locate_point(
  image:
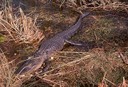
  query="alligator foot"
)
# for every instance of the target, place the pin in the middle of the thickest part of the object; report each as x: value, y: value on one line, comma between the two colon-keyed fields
x: 74, y: 43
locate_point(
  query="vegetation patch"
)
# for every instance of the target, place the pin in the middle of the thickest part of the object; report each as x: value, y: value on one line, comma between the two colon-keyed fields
x: 104, y: 64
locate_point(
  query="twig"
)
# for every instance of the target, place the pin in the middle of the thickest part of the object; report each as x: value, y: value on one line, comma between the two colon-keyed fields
x: 71, y: 52
x: 124, y: 59
x: 110, y: 82
x: 48, y: 81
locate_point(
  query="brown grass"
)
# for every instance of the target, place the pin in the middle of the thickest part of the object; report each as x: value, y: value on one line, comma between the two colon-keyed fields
x: 7, y: 77
x: 98, y: 67
x: 21, y: 28
x: 79, y: 5
x: 91, y: 68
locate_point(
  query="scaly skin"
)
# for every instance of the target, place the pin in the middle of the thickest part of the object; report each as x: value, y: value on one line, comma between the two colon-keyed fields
x: 48, y: 47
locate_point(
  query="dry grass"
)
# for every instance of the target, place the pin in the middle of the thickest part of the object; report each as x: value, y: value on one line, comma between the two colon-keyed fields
x: 5, y: 71
x: 97, y: 67
x: 79, y: 71
x: 20, y: 27
x: 79, y: 5
x: 7, y: 77
x: 84, y: 69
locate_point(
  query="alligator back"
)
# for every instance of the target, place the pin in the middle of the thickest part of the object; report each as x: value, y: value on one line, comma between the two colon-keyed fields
x: 50, y: 46
x: 57, y: 42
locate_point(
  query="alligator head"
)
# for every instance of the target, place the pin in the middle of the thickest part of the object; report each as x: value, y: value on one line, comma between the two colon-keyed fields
x: 30, y: 65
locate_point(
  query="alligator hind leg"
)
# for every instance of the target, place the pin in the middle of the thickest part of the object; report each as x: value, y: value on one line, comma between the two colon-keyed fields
x: 74, y: 43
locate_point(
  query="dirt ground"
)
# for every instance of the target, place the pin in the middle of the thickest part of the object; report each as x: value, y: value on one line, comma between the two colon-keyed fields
x: 102, y: 61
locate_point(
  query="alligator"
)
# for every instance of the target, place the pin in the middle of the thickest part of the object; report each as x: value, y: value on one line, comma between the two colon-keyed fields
x: 48, y: 47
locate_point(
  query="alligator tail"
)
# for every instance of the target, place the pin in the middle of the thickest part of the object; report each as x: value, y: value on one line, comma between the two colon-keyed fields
x: 73, y: 29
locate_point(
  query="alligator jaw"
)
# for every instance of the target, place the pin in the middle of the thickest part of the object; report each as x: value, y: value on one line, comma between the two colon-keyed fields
x: 30, y: 65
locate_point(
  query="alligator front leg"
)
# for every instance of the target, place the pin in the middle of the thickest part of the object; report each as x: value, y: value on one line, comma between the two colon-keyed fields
x: 73, y: 43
